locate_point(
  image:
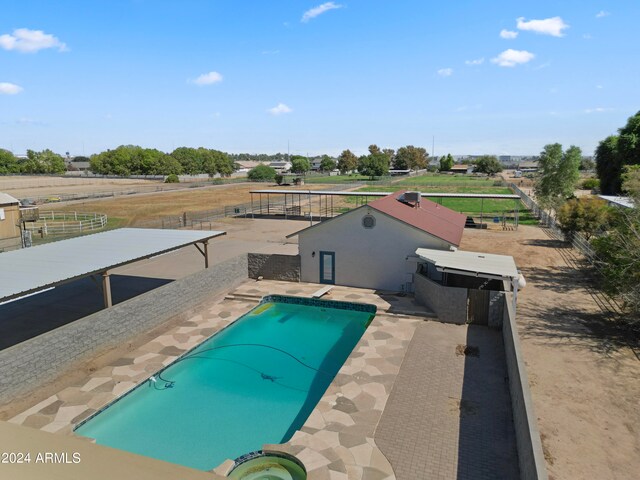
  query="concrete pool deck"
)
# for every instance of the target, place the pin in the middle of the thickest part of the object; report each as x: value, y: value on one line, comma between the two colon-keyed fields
x: 343, y: 437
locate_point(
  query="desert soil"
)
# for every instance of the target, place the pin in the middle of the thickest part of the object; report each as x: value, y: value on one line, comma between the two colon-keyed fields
x: 43, y: 186
x: 584, y: 377
x: 136, y: 209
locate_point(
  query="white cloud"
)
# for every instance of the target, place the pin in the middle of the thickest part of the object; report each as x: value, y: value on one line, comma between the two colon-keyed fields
x: 508, y: 34
x: 597, y: 110
x: 445, y: 72
x: 9, y: 88
x: 280, y: 109
x: 553, y: 26
x: 30, y: 121
x: 602, y: 13
x: 208, y: 79
x: 30, y: 41
x: 511, y: 58
x: 319, y: 10
x: 587, y: 36
x: 599, y: 87
x: 477, y: 61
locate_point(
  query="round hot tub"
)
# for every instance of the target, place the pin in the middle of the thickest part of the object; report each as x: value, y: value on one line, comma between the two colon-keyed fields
x: 268, y: 466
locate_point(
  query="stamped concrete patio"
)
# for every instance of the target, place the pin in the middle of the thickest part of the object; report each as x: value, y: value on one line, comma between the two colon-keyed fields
x: 404, y: 405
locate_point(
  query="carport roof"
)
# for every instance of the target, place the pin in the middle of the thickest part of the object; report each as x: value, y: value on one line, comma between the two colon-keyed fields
x: 31, y: 269
x: 476, y: 264
x: 6, y: 199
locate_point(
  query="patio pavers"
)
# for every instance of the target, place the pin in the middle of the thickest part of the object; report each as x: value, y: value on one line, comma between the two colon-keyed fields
x: 339, y: 439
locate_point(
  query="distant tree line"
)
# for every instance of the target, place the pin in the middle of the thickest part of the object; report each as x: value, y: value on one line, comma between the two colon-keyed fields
x: 45, y: 161
x: 134, y: 160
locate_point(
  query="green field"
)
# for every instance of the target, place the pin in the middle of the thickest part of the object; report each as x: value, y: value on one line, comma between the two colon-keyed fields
x: 343, y: 179
x: 432, y: 179
x: 475, y: 207
x: 448, y: 180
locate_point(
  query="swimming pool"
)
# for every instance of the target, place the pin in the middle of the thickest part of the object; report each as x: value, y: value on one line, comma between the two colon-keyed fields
x: 252, y: 383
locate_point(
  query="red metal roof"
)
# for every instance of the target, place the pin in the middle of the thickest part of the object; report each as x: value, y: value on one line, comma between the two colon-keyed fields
x: 439, y: 221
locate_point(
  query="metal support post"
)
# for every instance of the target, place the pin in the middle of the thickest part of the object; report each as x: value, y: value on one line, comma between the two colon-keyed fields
x: 106, y: 290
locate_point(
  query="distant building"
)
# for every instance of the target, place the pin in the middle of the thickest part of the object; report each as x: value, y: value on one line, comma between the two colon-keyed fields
x: 78, y: 166
x: 281, y: 166
x: 246, y: 165
x: 528, y: 166
x: 462, y: 169
x: 10, y: 233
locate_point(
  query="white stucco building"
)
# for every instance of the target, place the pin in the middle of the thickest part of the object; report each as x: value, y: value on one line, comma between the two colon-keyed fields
x: 374, y: 245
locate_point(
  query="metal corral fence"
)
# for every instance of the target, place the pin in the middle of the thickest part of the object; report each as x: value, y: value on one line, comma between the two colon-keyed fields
x: 66, y: 223
x: 202, y: 219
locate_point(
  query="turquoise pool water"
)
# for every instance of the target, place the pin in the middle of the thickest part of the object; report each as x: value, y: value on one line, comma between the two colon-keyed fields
x: 254, y: 382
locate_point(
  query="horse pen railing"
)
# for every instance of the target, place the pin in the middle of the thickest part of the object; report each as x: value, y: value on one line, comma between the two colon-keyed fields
x: 66, y: 223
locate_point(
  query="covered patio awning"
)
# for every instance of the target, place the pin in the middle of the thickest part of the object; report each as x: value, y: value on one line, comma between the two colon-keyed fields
x: 486, y: 265
x: 476, y: 264
x: 27, y: 271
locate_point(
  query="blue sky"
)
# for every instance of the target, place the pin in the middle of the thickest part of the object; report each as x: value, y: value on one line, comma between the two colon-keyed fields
x: 498, y: 77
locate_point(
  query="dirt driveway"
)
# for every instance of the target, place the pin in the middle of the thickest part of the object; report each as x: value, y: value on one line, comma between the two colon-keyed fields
x: 585, y: 380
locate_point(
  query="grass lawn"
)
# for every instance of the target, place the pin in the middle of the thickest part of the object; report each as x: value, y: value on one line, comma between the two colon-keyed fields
x: 469, y: 206
x: 444, y: 179
x: 344, y: 179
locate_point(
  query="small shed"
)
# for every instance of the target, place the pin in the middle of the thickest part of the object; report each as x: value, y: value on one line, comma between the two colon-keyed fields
x: 10, y: 234
x: 374, y: 245
x: 461, y: 169
x: 465, y: 286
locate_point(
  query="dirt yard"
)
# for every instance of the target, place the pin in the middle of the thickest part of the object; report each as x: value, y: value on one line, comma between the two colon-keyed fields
x: 584, y: 378
x: 136, y: 209
x: 43, y: 186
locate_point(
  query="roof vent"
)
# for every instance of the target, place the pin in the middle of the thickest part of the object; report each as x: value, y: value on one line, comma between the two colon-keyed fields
x: 412, y: 197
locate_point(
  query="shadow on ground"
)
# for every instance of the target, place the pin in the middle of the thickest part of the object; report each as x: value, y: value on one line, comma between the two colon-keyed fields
x: 556, y: 324
x: 486, y: 437
x: 29, y: 317
x: 561, y: 279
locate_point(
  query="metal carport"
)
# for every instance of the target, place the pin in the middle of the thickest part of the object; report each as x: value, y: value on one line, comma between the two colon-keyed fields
x: 27, y: 271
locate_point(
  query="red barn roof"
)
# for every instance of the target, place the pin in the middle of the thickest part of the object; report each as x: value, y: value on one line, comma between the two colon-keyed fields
x: 439, y: 221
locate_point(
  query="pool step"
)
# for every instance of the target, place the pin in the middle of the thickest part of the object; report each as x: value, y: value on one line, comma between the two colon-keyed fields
x: 401, y: 312
x: 243, y: 297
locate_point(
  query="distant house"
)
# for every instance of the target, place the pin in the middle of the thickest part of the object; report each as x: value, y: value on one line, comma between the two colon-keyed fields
x: 528, y: 167
x: 78, y: 166
x: 462, y: 169
x: 315, y: 163
x: 374, y: 245
x: 281, y: 166
x: 246, y: 165
x: 10, y: 234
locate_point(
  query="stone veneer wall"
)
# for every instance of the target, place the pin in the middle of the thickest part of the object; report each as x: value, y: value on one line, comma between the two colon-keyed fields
x: 496, y: 309
x: 530, y: 454
x: 449, y: 303
x: 35, y: 362
x: 274, y: 266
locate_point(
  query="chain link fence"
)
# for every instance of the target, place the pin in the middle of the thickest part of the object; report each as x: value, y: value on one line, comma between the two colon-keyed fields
x: 579, y: 242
